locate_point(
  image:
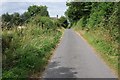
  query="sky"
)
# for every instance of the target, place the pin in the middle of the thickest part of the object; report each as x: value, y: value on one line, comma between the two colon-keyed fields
x: 57, y: 7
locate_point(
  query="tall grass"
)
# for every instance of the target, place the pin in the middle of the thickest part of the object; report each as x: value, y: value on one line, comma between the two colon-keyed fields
x: 107, y: 49
x: 26, y: 52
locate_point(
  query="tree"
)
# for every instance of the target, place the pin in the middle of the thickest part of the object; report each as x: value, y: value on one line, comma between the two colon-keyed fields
x: 15, y: 19
x: 38, y: 10
x: 6, y: 18
x: 9, y: 21
x: 25, y: 16
x: 77, y: 10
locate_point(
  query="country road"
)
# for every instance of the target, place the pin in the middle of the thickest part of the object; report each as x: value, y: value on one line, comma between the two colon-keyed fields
x: 74, y: 58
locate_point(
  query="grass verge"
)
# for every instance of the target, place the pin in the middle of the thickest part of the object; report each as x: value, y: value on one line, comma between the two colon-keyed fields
x: 105, y: 49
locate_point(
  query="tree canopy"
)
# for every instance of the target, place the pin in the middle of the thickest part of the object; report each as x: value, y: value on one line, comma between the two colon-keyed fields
x: 77, y: 10
x: 15, y: 19
x: 38, y: 10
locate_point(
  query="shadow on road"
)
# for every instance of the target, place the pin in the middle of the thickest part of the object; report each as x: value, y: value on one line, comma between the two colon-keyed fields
x: 54, y: 70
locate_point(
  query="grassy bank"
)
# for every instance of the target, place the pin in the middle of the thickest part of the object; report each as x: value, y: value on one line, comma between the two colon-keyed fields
x: 100, y: 27
x: 28, y: 41
x: 26, y: 52
x: 107, y: 49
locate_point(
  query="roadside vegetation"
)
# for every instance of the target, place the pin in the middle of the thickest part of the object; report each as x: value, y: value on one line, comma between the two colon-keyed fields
x: 28, y: 41
x: 98, y: 23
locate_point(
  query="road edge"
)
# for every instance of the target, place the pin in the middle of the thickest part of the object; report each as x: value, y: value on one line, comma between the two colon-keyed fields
x: 52, y: 54
x: 97, y: 54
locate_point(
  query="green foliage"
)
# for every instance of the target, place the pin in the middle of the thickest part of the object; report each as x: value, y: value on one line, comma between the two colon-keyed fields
x: 25, y: 17
x: 63, y: 21
x: 101, y: 28
x: 100, y: 12
x: 109, y: 51
x: 27, y: 48
x: 47, y: 22
x: 77, y: 10
x: 42, y: 21
x: 81, y: 23
x: 9, y: 21
x: 27, y: 53
x: 38, y: 10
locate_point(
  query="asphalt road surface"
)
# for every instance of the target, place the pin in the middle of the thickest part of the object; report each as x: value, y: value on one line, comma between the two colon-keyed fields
x: 74, y: 58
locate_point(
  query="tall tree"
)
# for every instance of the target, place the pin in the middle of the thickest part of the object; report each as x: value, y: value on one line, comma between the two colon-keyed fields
x: 38, y: 10
x: 15, y: 19
x: 77, y: 10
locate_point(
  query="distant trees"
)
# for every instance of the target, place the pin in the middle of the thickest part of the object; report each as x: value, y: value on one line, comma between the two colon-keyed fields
x: 36, y: 15
x: 63, y: 21
x: 11, y: 20
x: 15, y: 19
x: 6, y: 20
x: 25, y: 16
x: 38, y: 10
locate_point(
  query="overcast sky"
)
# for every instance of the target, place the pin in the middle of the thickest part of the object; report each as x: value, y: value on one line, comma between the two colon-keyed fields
x: 57, y: 7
